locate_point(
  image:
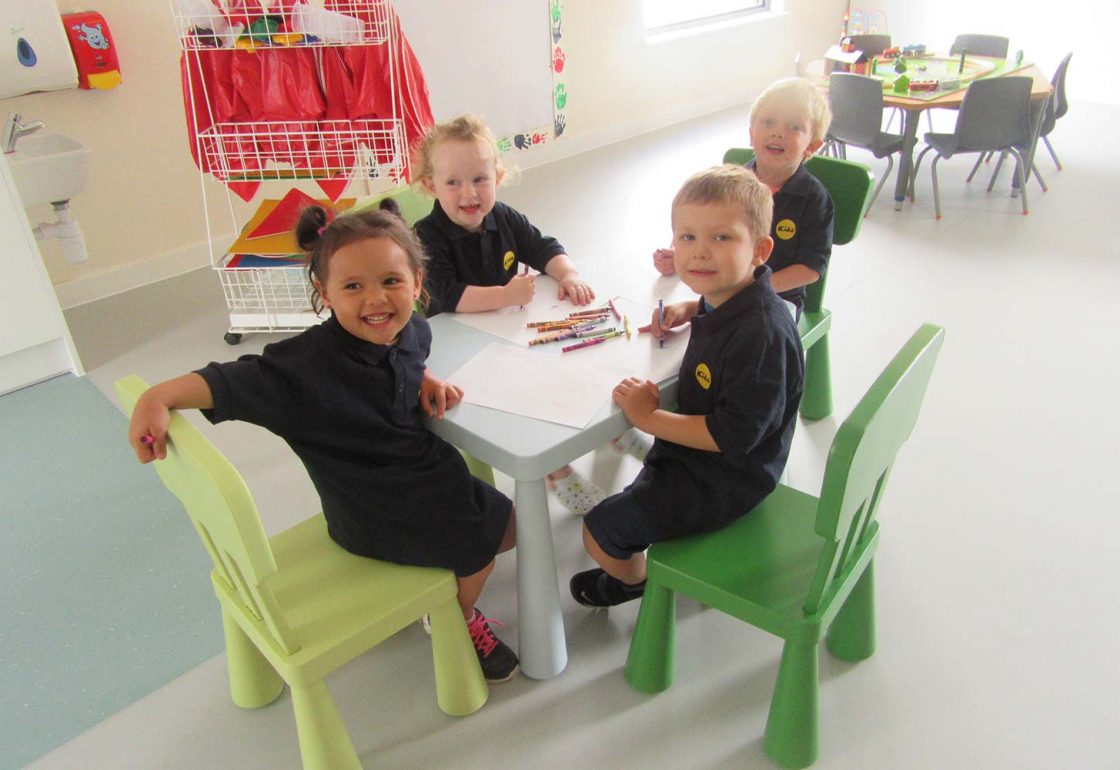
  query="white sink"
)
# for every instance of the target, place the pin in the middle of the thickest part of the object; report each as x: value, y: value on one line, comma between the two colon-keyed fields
x: 49, y: 168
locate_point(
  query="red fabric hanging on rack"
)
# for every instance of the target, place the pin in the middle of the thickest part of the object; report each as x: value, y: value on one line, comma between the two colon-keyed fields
x: 209, y: 97
x: 302, y: 103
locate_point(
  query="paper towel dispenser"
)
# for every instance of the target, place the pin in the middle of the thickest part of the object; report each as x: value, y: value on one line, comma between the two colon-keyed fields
x: 34, y: 53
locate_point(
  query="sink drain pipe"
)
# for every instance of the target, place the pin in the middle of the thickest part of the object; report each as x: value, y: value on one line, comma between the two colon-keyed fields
x: 66, y: 230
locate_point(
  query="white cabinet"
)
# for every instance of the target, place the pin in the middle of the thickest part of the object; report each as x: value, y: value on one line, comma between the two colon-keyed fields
x: 34, y: 340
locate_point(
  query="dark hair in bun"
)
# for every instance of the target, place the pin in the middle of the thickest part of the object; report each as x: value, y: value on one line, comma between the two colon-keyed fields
x: 321, y: 234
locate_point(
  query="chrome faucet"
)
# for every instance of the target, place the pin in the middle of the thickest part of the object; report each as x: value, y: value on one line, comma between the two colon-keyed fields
x: 14, y: 129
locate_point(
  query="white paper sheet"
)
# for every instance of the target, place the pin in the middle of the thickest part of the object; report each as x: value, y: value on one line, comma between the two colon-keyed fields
x: 544, y: 382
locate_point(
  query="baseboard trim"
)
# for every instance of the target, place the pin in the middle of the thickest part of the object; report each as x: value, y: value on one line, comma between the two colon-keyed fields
x: 135, y: 274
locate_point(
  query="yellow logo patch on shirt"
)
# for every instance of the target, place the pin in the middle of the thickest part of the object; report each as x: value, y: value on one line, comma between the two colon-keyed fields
x: 785, y: 229
x: 508, y: 260
x: 704, y: 376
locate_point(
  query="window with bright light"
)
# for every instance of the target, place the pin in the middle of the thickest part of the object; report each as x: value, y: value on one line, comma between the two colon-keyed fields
x: 669, y: 15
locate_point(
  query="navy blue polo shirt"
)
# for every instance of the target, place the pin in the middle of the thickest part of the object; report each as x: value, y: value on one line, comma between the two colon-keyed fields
x: 458, y: 258
x: 350, y: 410
x: 743, y: 369
x: 801, y: 228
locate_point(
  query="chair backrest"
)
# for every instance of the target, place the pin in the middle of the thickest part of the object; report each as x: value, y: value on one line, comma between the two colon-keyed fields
x: 861, y: 457
x: 857, y: 108
x: 222, y: 510
x: 1061, y: 104
x: 995, y: 113
x: 849, y: 184
x: 872, y: 45
x: 414, y: 206
x: 980, y: 45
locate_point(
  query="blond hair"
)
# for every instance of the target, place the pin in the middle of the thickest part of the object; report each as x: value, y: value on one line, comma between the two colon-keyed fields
x: 802, y: 93
x: 465, y: 128
x: 737, y: 186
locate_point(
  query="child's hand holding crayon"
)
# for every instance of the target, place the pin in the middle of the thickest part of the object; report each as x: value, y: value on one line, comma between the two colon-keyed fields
x: 674, y: 315
x: 437, y: 396
x: 520, y: 289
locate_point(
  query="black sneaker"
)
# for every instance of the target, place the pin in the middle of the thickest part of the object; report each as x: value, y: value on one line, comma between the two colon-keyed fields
x: 595, y: 588
x: 498, y: 661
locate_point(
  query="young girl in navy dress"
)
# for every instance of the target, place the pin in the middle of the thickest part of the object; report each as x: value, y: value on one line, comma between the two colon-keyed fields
x: 347, y: 397
x: 477, y: 245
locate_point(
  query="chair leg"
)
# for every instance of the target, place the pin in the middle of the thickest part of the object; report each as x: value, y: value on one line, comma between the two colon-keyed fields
x: 253, y: 682
x: 791, y: 728
x: 878, y: 187
x: 914, y: 171
x: 1038, y: 176
x: 936, y: 192
x: 1023, y: 174
x: 852, y: 633
x: 324, y: 743
x: 460, y: 687
x: 649, y: 665
x: 995, y: 173
x: 1053, y: 155
x: 975, y: 167
x: 816, y: 397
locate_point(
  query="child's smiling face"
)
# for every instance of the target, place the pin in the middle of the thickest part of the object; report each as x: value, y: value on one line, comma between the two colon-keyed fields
x: 465, y: 180
x: 715, y: 252
x: 370, y: 288
x: 782, y: 137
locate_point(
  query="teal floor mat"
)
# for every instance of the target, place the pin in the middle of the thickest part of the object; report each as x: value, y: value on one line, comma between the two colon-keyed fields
x: 105, y: 589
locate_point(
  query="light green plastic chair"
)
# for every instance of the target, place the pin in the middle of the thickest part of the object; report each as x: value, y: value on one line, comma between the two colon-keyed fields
x: 849, y: 184
x: 414, y: 206
x: 797, y: 566
x: 296, y: 607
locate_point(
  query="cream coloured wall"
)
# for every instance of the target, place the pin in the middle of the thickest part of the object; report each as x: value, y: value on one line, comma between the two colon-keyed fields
x: 142, y: 215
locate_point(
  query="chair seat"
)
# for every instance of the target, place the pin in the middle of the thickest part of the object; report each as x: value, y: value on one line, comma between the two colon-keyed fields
x: 886, y: 144
x: 758, y: 569
x: 942, y: 144
x: 326, y: 594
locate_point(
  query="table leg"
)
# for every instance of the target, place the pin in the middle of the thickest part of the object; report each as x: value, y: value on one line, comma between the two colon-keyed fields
x: 541, y: 645
x: 910, y: 120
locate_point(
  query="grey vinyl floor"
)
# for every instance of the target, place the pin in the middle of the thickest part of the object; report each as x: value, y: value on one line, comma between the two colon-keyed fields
x: 997, y: 577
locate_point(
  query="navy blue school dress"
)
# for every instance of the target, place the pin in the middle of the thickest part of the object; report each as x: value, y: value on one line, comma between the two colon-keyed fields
x: 458, y: 258
x: 350, y: 410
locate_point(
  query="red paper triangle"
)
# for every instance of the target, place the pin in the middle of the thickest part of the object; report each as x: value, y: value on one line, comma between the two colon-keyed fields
x: 334, y: 187
x: 282, y: 219
x: 244, y: 190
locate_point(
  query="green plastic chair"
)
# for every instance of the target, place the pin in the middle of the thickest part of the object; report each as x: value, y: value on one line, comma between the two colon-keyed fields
x: 414, y: 206
x: 797, y: 566
x: 849, y: 184
x: 296, y: 607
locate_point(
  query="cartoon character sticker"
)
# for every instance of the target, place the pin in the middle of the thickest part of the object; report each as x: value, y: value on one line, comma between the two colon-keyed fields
x: 93, y: 36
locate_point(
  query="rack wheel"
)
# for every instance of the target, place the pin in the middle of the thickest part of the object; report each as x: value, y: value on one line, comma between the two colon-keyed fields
x: 232, y: 338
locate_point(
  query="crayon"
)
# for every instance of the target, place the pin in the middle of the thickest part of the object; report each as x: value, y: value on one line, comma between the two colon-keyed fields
x: 593, y: 341
x: 147, y: 439
x: 617, y: 317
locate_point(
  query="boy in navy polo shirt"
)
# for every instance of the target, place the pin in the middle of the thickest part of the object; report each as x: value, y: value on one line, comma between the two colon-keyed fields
x: 788, y: 123
x: 722, y: 452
